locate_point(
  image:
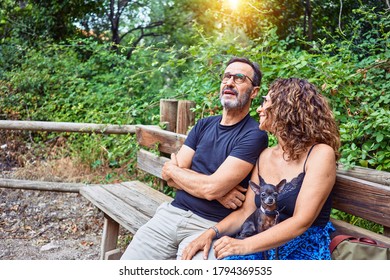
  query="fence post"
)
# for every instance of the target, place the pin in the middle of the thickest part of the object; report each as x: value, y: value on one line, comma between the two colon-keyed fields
x: 168, y: 113
x: 185, y: 117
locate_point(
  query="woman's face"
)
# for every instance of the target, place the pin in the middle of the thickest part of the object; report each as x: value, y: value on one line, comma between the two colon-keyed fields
x: 264, y: 122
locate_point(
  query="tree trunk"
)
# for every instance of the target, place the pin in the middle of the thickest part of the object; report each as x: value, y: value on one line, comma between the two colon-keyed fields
x: 309, y: 20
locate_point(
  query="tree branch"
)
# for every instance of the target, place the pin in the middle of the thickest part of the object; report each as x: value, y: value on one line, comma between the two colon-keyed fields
x: 142, y: 28
x: 341, y: 10
x: 143, y: 35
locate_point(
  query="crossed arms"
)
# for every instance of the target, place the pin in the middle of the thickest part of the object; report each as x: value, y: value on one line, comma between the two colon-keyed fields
x: 222, y: 185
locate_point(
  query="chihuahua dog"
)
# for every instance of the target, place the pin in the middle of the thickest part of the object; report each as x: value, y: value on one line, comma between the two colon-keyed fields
x: 267, y: 214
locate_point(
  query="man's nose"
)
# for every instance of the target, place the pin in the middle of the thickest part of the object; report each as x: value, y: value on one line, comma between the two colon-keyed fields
x: 230, y: 81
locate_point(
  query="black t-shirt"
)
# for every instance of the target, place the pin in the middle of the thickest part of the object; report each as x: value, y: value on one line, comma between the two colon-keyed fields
x: 213, y: 143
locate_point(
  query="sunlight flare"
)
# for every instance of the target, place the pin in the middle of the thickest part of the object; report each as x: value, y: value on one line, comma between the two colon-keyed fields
x: 234, y: 4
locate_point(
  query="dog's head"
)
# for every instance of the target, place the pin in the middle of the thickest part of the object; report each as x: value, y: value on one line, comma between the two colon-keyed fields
x: 268, y: 193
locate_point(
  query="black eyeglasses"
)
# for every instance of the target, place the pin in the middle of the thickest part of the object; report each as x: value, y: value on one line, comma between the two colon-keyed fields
x: 237, y: 78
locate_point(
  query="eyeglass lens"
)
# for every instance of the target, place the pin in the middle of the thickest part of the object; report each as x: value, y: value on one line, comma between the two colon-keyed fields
x: 237, y: 78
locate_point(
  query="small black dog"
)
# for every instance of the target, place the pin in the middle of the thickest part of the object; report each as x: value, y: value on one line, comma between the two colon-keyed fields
x: 267, y: 215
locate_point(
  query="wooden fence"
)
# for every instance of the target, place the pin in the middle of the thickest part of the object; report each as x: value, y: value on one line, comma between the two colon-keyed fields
x: 175, y: 115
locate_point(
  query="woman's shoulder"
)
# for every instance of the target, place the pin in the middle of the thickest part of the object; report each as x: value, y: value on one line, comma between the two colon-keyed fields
x: 322, y: 149
x: 321, y: 154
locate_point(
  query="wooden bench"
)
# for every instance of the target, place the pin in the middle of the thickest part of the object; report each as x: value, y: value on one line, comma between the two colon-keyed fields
x: 131, y: 204
x: 364, y: 193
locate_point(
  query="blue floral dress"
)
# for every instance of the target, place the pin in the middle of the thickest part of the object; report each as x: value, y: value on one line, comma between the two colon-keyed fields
x: 313, y: 244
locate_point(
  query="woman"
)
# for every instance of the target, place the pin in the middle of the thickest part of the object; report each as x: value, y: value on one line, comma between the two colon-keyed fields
x: 306, y: 156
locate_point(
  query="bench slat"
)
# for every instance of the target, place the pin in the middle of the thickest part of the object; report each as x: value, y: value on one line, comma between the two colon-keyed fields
x: 368, y: 174
x: 150, y: 162
x: 114, y: 207
x: 166, y: 141
x: 362, y: 198
x: 133, y: 197
x: 145, y: 191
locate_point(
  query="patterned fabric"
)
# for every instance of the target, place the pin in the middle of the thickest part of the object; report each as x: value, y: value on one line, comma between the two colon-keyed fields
x: 313, y: 244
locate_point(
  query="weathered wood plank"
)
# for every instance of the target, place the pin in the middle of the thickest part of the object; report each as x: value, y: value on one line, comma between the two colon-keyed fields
x: 40, y: 185
x: 362, y: 198
x: 141, y: 197
x: 165, y: 141
x: 372, y: 175
x: 114, y: 207
x: 146, y: 191
x: 67, y: 127
x: 114, y: 254
x: 168, y: 113
x: 150, y: 162
x: 110, y: 236
x: 185, y: 116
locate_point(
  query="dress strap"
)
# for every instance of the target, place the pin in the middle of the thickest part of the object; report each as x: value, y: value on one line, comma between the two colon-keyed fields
x: 304, y: 165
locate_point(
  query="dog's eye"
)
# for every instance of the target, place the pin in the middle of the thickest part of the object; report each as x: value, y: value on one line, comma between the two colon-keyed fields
x: 275, y: 194
x: 263, y: 194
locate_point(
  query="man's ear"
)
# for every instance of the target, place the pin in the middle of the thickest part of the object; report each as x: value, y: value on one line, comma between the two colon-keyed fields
x: 255, y: 92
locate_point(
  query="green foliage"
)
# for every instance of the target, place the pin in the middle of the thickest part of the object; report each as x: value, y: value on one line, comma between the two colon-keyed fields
x: 84, y: 81
x: 34, y: 20
x: 339, y: 215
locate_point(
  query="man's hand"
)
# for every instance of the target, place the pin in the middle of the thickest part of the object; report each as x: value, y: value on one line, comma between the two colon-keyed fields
x: 233, y: 199
x: 168, y: 166
x: 167, y: 169
x: 172, y: 184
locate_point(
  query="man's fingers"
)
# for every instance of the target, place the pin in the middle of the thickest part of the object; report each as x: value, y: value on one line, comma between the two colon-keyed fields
x: 235, y: 203
x: 174, y: 159
x: 241, y: 189
x: 240, y: 196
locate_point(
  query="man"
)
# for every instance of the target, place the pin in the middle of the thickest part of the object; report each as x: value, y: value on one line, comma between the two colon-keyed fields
x: 210, y: 172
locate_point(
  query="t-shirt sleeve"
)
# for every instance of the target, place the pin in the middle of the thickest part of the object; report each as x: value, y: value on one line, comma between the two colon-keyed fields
x: 192, y: 137
x: 250, y: 146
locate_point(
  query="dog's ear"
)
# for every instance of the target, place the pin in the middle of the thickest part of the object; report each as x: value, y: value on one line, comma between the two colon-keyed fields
x: 280, y: 186
x: 255, y: 187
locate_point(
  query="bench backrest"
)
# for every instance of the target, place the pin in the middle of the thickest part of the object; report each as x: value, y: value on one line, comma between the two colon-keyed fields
x: 159, y: 145
x: 362, y: 198
x: 359, y: 197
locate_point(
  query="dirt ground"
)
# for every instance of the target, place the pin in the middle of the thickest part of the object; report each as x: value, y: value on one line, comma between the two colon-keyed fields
x: 40, y: 225
x: 43, y: 225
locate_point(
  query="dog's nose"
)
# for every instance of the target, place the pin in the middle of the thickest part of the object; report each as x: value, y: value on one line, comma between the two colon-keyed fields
x: 270, y: 201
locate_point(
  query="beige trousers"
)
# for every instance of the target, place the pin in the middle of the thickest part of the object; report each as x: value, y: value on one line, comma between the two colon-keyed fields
x: 166, y: 235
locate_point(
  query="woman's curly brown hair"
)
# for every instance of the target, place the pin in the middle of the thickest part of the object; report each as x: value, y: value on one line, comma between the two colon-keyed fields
x: 301, y: 116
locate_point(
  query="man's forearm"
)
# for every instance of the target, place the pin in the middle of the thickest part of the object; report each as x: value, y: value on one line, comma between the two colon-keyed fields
x: 190, y: 181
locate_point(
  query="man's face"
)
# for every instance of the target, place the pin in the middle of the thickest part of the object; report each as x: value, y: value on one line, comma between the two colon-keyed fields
x: 235, y: 95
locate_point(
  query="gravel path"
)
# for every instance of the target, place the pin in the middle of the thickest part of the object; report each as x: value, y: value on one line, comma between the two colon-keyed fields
x: 40, y: 225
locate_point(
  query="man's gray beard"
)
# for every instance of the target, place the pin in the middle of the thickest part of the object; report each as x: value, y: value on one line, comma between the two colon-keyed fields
x: 237, y: 104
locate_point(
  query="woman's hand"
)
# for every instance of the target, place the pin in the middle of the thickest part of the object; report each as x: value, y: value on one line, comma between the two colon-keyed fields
x: 202, y: 243
x: 227, y: 246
